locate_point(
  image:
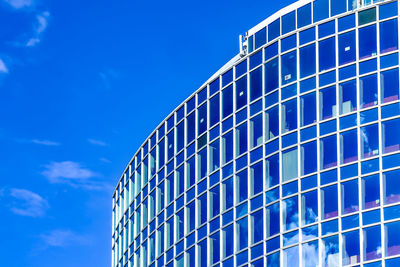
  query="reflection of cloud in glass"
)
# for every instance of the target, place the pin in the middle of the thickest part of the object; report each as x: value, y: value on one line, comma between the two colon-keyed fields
x: 290, y: 213
x: 310, y: 254
x: 291, y: 257
x: 331, y: 251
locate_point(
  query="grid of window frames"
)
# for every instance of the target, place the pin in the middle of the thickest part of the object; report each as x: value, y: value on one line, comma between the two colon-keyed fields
x: 290, y: 158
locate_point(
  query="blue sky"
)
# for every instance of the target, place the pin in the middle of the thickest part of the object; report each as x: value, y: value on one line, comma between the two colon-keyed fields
x: 82, y: 84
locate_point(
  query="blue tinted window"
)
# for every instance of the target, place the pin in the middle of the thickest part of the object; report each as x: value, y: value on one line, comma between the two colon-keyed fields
x: 271, y: 51
x: 367, y: 39
x: 391, y: 136
x: 307, y: 60
x: 288, y: 67
x: 328, y: 102
x: 310, y: 207
x: 352, y: 4
x: 214, y: 86
x: 289, y: 115
x: 241, y: 181
x: 328, y: 152
x: 347, y: 47
x: 255, y: 59
x: 331, y: 250
x: 272, y: 171
x: 308, y: 160
x: 190, y: 124
x: 255, y: 84
x: 214, y: 110
x: 307, y: 85
x: 271, y: 99
x: 347, y: 97
x: 347, y: 72
x: 369, y: 141
x: 388, y: 10
x: 389, y: 60
x: 327, y: 78
x: 289, y: 22
x: 227, y: 101
x: 272, y: 75
x: 320, y: 9
x: 372, y: 240
x: 272, y: 123
x: 371, y: 195
x: 388, y: 36
x: 290, y: 213
x: 308, y: 109
x: 288, y: 43
x: 241, y: 139
x: 307, y: 36
x: 369, y: 91
x: 366, y: 16
x: 326, y: 29
x: 241, y: 68
x: 227, y: 77
x: 390, y: 85
x: 228, y: 241
x: 346, y: 23
x: 350, y: 196
x: 351, y: 241
x: 368, y: 66
x: 304, y: 16
x: 392, y: 232
x: 202, y: 119
x: 274, y: 29
x: 272, y: 220
x: 241, y: 92
x: 338, y: 7
x: 260, y: 38
x: 329, y: 199
x: 327, y: 54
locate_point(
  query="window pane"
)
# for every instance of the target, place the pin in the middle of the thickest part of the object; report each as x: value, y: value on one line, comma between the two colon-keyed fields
x: 290, y: 213
x: 202, y: 217
x: 257, y: 226
x: 348, y: 146
x: 371, y: 195
x: 391, y: 188
x: 327, y: 102
x: 191, y: 215
x: 307, y: 60
x: 288, y: 67
x: 241, y: 139
x: 291, y: 256
x: 321, y: 9
x: 288, y: 22
x: 347, y: 47
x: 392, y: 232
x: 329, y: 200
x: 227, y: 101
x: 170, y: 146
x: 256, y: 178
x: 289, y: 164
x: 328, y: 152
x: 227, y: 194
x: 260, y: 38
x: 330, y: 251
x: 241, y: 186
x: 391, y: 135
x: 191, y: 172
x: 289, y: 115
x: 227, y: 147
x: 180, y: 179
x: 309, y: 207
x: 327, y: 54
x: 308, y: 159
x: 214, y: 201
x: 390, y: 85
x: 180, y: 136
x: 256, y: 134
x: 372, y: 243
x: 274, y: 29
x: 310, y: 254
x: 202, y: 254
x: 369, y: 141
x: 272, y: 219
x: 242, y: 231
x: 202, y: 119
x: 169, y: 229
x: 351, y: 246
x: 338, y: 7
x: 241, y: 92
x: 388, y: 36
x: 367, y: 39
x: 272, y: 75
x: 214, y: 110
x: 272, y: 170
x: 369, y: 91
x: 191, y: 126
x: 347, y: 97
x: 202, y: 163
x: 227, y: 241
x: 180, y: 230
x: 304, y: 16
x: 170, y: 188
x: 255, y: 84
x: 308, y: 108
x: 214, y: 156
x: 272, y: 123
x: 350, y: 196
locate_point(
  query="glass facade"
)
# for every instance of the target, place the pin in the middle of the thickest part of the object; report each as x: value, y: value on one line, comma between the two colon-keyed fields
x: 288, y: 156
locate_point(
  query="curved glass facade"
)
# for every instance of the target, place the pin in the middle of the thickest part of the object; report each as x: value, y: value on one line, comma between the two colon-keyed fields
x: 288, y: 156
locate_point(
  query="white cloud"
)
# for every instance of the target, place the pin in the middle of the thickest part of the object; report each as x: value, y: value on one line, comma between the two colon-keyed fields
x: 19, y: 3
x: 63, y: 238
x: 3, y: 67
x: 66, y: 170
x: 42, y: 23
x: 97, y: 142
x: 27, y: 203
x: 105, y: 160
x: 45, y: 142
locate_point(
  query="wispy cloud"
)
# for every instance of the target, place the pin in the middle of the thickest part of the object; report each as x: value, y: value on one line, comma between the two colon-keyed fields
x: 105, y: 160
x: 107, y: 76
x: 41, y: 25
x: 97, y: 142
x: 3, y: 67
x: 19, y: 3
x: 45, y: 142
x: 63, y: 238
x: 75, y: 175
x: 26, y: 203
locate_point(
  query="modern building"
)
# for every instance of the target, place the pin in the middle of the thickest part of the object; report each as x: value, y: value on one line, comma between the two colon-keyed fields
x: 287, y: 156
